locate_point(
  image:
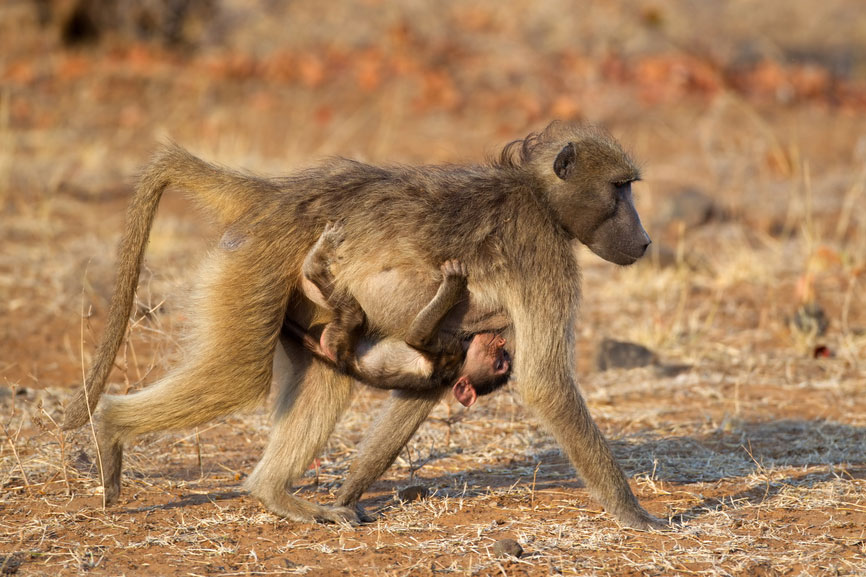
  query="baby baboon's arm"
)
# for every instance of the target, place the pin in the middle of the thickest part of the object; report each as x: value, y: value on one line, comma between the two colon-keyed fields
x: 424, y: 330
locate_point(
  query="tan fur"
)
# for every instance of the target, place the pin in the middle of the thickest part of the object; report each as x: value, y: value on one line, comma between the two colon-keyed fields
x: 512, y: 222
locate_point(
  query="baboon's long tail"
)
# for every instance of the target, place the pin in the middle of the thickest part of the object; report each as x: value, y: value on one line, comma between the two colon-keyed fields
x: 212, y: 187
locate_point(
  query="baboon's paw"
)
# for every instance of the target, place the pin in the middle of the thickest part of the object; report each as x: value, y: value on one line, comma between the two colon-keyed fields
x: 363, y: 516
x: 643, y: 521
x: 110, y: 494
x: 339, y: 515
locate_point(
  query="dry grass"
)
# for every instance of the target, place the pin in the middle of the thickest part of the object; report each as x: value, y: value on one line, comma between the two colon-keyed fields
x: 757, y: 453
x: 787, y: 495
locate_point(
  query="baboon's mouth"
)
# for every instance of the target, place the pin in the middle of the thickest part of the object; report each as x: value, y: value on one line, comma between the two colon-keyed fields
x: 627, y: 257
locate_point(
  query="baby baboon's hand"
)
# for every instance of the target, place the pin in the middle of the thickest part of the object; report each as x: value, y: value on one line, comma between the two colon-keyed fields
x: 453, y: 269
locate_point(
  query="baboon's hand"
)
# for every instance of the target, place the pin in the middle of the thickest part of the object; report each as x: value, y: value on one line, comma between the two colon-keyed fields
x: 453, y: 269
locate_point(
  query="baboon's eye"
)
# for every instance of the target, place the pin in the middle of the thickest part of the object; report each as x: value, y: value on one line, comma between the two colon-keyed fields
x: 622, y: 188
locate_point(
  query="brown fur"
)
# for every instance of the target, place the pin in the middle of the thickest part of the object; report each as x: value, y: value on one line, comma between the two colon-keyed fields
x: 512, y: 222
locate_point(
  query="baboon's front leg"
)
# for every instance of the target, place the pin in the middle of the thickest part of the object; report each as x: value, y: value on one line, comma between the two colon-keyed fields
x: 546, y: 380
x: 395, y: 425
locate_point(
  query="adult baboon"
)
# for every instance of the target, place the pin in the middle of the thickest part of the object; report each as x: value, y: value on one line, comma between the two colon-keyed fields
x: 428, y: 359
x: 511, y: 221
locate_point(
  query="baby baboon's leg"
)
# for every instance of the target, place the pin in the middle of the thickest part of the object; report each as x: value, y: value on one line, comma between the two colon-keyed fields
x: 398, y: 421
x: 227, y: 362
x: 340, y: 336
x: 310, y: 402
x: 317, y: 263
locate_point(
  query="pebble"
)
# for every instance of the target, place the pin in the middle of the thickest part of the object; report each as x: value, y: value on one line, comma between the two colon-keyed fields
x: 507, y: 548
x: 623, y: 355
x: 412, y: 493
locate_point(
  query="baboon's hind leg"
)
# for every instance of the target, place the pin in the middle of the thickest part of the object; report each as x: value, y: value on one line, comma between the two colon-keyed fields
x: 227, y: 361
x: 110, y: 459
x: 308, y: 407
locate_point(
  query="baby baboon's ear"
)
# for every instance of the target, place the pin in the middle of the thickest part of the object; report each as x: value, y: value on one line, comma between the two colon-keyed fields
x: 464, y: 392
x: 563, y: 166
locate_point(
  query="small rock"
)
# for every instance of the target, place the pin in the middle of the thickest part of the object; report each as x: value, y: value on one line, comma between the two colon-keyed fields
x: 9, y: 564
x: 507, y: 548
x: 623, y: 355
x: 412, y: 493
x: 690, y: 207
x: 810, y: 319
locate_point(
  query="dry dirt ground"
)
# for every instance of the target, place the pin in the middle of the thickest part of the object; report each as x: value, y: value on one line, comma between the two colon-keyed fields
x: 757, y: 452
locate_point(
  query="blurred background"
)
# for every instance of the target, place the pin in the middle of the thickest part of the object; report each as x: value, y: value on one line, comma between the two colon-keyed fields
x: 736, y: 400
x: 748, y: 121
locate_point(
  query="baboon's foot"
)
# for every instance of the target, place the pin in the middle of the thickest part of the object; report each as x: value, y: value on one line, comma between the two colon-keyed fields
x: 350, y: 501
x: 363, y: 515
x: 454, y: 268
x: 641, y: 520
x: 325, y: 343
x: 360, y: 512
x: 110, y: 493
x: 339, y: 515
x: 333, y: 235
x: 280, y: 503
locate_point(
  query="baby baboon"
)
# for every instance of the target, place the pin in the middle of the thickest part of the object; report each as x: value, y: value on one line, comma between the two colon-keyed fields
x: 475, y: 365
x: 512, y: 221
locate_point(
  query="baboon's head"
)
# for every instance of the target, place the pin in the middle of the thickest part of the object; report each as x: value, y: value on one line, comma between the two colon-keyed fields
x: 587, y: 178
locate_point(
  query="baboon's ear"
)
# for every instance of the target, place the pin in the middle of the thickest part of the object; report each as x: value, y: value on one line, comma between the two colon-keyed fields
x: 565, y: 160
